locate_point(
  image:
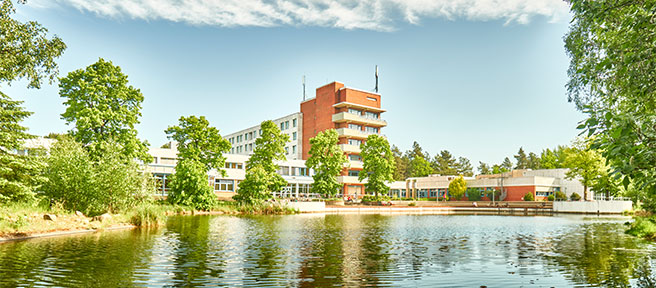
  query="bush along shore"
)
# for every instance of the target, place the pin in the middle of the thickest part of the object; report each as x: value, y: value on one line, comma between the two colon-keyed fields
x: 25, y: 220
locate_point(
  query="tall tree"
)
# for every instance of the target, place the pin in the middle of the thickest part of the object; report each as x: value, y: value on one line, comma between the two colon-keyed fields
x: 533, y: 161
x: 584, y: 164
x: 103, y: 109
x: 401, y: 163
x: 464, y: 167
x: 612, y: 74
x: 261, y: 167
x: 25, y: 50
x: 199, y: 141
x: 444, y: 163
x: 417, y: 151
x: 327, y: 160
x: 419, y: 167
x: 506, y: 164
x: 378, y: 164
x: 483, y: 168
x: 522, y: 160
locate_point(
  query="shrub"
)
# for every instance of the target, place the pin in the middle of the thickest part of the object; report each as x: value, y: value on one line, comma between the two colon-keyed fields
x: 550, y: 198
x: 373, y: 198
x: 529, y: 197
x: 189, y: 186
x: 575, y: 197
x: 412, y: 204
x: 643, y: 227
x: 148, y: 215
x: 473, y: 194
x: 560, y: 196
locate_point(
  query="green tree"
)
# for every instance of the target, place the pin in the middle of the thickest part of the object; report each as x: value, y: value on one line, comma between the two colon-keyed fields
x: 529, y: 196
x: 378, y: 164
x: 103, y: 109
x: 498, y: 169
x: 584, y: 164
x: 506, y: 165
x: 199, y: 141
x: 522, y: 160
x: 401, y: 163
x: 483, y: 168
x: 473, y: 194
x: 189, y: 185
x: 612, y: 74
x: 533, y: 161
x: 25, y: 50
x: 444, y: 163
x: 327, y: 160
x: 457, y: 188
x: 269, y: 147
x: 464, y: 167
x: 419, y: 167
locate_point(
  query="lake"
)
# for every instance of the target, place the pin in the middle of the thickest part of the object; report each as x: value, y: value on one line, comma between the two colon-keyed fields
x: 341, y: 250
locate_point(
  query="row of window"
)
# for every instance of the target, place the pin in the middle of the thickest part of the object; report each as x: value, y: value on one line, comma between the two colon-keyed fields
x: 232, y: 165
x: 293, y: 171
x: 365, y: 114
x: 367, y: 129
x: 285, y: 125
x: 253, y: 134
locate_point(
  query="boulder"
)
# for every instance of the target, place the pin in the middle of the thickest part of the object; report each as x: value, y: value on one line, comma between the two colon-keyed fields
x: 50, y: 217
x: 79, y: 214
x: 102, y: 218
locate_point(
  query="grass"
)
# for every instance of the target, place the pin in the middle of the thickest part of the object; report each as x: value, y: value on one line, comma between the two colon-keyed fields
x: 643, y: 227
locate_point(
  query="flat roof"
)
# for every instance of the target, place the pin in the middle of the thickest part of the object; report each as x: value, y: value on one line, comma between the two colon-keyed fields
x: 364, y: 107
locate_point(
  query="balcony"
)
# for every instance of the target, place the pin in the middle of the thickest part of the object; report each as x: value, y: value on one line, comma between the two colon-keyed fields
x: 353, y: 133
x: 349, y: 148
x: 355, y: 118
x: 359, y: 106
x: 356, y: 164
x: 350, y: 180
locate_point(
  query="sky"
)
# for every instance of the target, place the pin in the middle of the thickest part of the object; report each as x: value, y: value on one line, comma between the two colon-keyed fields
x: 479, y: 78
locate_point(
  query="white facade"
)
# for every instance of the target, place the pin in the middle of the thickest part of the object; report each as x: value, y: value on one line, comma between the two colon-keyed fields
x: 243, y: 141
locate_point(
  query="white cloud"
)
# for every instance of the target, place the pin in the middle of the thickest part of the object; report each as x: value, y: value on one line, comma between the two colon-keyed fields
x: 346, y: 14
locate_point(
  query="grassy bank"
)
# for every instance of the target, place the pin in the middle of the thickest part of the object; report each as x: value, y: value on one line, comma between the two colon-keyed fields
x: 643, y: 227
x: 17, y: 220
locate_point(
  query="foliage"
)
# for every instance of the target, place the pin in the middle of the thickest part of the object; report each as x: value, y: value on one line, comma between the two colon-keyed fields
x: 444, y: 163
x: 464, y: 167
x: 529, y: 197
x: 261, y: 177
x: 484, y: 169
x: 575, y: 197
x: 25, y: 51
x: 378, y: 167
x: 327, y: 160
x: 553, y: 159
x: 457, y: 188
x: 551, y: 198
x: 419, y: 167
x: 78, y: 183
x: 506, y: 165
x: 560, y: 196
x: 18, y: 173
x: 473, y: 194
x: 612, y: 49
x: 199, y: 141
x: 643, y: 227
x: 148, y: 214
x: 401, y: 164
x: 533, y: 161
x: 256, y: 186
x: 584, y: 164
x: 189, y: 185
x: 375, y: 198
x: 104, y: 110
x: 522, y: 160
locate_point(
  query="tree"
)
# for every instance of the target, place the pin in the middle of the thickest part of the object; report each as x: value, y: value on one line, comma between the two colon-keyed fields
x: 327, y: 160
x: 533, y: 161
x: 506, y: 165
x: 25, y: 50
x: 483, y: 168
x: 463, y: 167
x: 269, y: 147
x: 103, y: 108
x: 584, y: 164
x: 473, y: 194
x: 378, y: 165
x: 199, y: 141
x: 522, y: 160
x: 419, y: 167
x: 444, y: 163
x: 498, y: 169
x: 417, y: 151
x: 401, y: 163
x: 189, y: 185
x: 457, y: 188
x: 18, y: 173
x: 613, y: 81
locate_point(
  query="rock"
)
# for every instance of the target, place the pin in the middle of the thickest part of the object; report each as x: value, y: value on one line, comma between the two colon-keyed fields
x: 79, y: 214
x: 50, y: 217
x: 102, y: 218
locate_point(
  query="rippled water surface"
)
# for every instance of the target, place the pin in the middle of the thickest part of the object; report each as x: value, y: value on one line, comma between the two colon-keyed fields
x: 341, y: 250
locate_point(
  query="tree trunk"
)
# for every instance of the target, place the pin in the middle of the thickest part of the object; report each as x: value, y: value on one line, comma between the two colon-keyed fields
x: 585, y: 193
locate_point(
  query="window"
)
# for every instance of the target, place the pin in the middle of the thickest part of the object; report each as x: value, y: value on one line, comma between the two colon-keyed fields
x: 294, y: 136
x: 165, y: 160
x: 372, y: 99
x: 294, y: 123
x: 354, y: 157
x: 354, y: 142
x: 286, y: 124
x: 246, y: 136
x: 282, y: 125
x: 286, y: 150
x: 294, y: 149
x: 354, y: 126
x: 354, y: 111
x: 283, y: 170
x: 224, y: 185
x: 371, y: 115
x: 354, y: 173
x: 250, y: 147
x: 423, y: 193
x: 302, y: 171
x: 371, y: 129
x: 433, y: 193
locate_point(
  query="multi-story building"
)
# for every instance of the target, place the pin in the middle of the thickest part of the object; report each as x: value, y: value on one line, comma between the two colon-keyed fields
x: 243, y: 141
x: 355, y: 114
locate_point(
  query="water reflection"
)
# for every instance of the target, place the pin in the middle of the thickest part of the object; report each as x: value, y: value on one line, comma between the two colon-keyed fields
x: 340, y: 250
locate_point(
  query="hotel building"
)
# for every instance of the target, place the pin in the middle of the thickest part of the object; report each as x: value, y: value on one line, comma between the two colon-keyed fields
x: 243, y: 141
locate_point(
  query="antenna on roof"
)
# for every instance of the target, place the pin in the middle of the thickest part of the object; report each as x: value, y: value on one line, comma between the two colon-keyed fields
x: 303, y: 87
x: 376, y: 89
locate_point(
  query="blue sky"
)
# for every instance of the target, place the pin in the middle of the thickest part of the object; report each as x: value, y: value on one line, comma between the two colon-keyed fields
x: 479, y: 78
